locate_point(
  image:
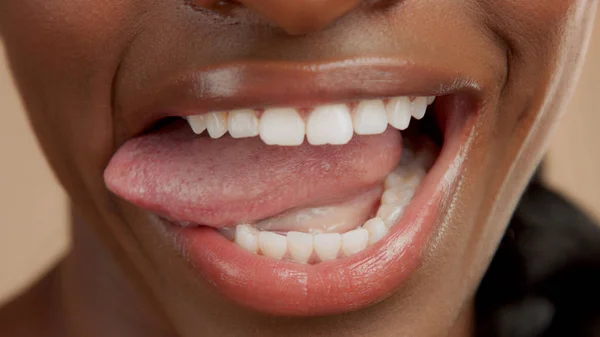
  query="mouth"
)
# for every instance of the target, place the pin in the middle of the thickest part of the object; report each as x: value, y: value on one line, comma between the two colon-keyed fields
x: 299, y: 189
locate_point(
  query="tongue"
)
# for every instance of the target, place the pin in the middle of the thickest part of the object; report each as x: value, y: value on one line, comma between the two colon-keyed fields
x: 226, y: 181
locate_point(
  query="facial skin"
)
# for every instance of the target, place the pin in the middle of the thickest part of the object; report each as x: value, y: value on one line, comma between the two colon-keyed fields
x: 121, y: 279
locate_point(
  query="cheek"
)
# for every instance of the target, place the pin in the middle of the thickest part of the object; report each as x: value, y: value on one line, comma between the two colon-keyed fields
x: 540, y: 11
x: 531, y: 24
x: 63, y: 28
x: 544, y: 41
x: 64, y: 55
x: 537, y: 36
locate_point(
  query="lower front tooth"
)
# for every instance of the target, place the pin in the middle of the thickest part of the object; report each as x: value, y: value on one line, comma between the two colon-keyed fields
x: 216, y: 124
x: 354, y: 241
x: 327, y: 246
x: 272, y: 245
x: 300, y: 246
x: 247, y: 237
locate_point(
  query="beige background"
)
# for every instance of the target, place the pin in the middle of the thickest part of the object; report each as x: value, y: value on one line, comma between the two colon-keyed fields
x: 34, y: 206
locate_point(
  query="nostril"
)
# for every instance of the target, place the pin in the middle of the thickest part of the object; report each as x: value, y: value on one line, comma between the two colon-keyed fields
x: 226, y: 4
x: 295, y: 17
x: 215, y: 5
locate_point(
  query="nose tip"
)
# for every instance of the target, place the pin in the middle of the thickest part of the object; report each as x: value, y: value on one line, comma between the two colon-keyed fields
x: 301, y: 16
x: 298, y: 17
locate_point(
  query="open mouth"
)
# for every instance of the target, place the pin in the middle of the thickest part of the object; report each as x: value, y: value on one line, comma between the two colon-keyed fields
x: 315, y: 207
x: 332, y: 225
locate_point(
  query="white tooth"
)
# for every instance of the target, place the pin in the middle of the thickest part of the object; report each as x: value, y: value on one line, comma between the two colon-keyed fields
x: 393, y: 179
x: 390, y: 214
x: 430, y: 100
x: 376, y: 228
x: 370, y: 118
x: 329, y: 124
x: 397, y: 195
x: 398, y: 112
x: 300, y: 246
x: 197, y: 123
x: 418, y: 107
x: 413, y: 181
x: 216, y: 124
x: 272, y: 245
x: 327, y: 245
x: 354, y: 241
x: 243, y: 123
x: 410, y: 175
x: 247, y: 238
x: 281, y: 126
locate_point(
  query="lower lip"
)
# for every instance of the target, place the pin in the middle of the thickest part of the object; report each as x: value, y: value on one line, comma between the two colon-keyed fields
x: 289, y: 289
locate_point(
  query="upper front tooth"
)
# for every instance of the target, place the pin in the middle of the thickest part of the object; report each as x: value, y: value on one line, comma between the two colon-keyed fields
x: 398, y: 112
x: 281, y: 126
x: 197, y: 123
x: 370, y: 118
x: 418, y: 107
x: 326, y: 124
x: 243, y: 123
x: 329, y: 124
x: 216, y: 124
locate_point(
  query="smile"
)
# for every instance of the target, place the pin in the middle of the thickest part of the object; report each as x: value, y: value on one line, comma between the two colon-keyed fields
x: 312, y: 192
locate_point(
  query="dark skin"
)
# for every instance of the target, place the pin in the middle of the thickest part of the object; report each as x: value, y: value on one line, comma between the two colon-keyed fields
x: 65, y: 56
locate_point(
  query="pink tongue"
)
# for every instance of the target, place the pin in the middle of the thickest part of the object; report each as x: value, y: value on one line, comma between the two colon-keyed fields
x: 226, y: 181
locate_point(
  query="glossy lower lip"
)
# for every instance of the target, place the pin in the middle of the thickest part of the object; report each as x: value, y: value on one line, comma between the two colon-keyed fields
x: 290, y: 289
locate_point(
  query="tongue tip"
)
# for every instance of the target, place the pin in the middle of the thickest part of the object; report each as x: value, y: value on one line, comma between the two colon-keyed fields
x: 222, y: 182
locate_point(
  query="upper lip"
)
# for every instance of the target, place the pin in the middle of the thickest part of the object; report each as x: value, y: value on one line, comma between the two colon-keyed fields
x: 258, y: 84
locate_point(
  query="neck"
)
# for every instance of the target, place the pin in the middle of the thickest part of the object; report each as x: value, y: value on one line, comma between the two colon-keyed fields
x: 465, y: 325
x: 98, y: 299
